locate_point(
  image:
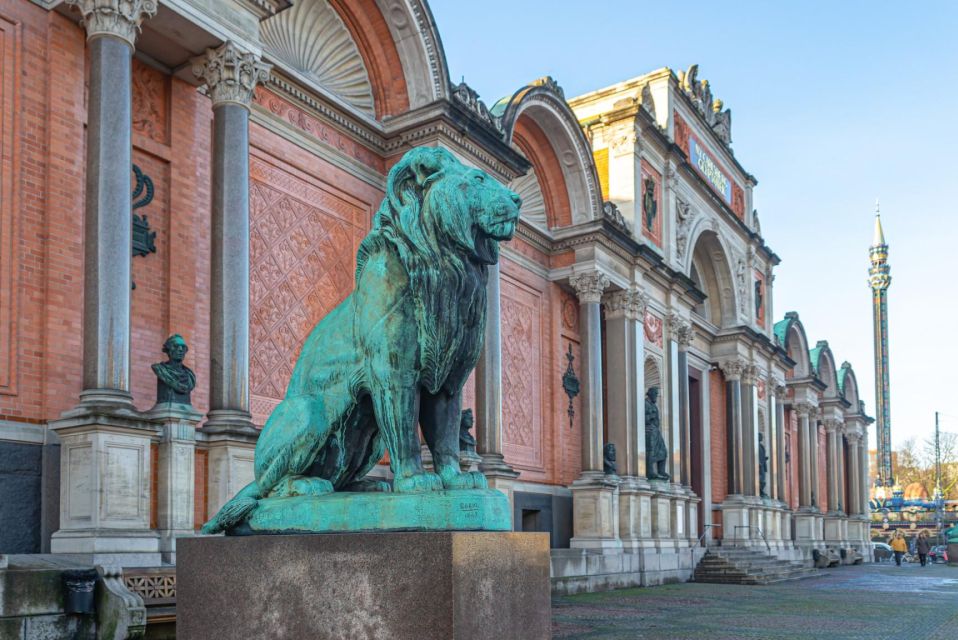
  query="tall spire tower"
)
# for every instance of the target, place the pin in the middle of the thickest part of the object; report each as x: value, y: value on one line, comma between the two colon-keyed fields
x: 879, y: 277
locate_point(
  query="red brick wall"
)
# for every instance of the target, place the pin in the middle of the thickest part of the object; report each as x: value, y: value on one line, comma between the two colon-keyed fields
x: 719, y: 450
x: 200, y: 476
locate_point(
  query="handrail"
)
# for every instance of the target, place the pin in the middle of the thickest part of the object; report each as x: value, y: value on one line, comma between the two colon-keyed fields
x: 760, y: 532
x: 699, y: 542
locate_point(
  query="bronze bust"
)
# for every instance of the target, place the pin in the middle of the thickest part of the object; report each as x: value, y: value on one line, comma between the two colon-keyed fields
x: 174, y: 380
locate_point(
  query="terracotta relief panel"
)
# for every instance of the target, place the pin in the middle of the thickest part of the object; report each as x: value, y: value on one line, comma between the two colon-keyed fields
x: 521, y: 372
x: 302, y: 260
x: 151, y: 102
x: 653, y: 329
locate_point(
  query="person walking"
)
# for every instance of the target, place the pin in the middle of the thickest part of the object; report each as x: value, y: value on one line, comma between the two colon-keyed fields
x: 922, y: 547
x: 899, y: 546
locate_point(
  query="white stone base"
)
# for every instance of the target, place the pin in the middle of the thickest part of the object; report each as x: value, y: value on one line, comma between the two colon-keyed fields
x: 595, y: 513
x: 583, y: 571
x: 124, y: 548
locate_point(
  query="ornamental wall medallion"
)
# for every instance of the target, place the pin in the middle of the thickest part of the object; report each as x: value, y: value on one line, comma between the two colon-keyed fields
x: 653, y: 329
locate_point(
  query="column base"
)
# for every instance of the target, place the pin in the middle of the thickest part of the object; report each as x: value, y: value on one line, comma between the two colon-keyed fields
x: 806, y: 526
x: 230, y: 456
x: 595, y: 512
x: 230, y: 422
x: 494, y: 465
x: 635, y: 517
x: 110, y: 400
x: 117, y: 547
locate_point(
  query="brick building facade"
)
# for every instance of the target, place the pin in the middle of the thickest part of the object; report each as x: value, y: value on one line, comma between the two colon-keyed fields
x: 639, y: 262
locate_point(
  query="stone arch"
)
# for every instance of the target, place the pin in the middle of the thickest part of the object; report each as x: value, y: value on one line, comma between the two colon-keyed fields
x: 710, y: 258
x: 823, y: 366
x: 378, y: 57
x: 538, y: 121
x: 791, y: 335
x: 848, y: 386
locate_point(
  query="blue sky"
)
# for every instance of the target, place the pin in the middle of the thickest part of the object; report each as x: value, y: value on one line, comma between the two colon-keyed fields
x: 833, y: 104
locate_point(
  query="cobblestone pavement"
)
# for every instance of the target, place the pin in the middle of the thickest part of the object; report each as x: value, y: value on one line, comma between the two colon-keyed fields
x: 870, y: 602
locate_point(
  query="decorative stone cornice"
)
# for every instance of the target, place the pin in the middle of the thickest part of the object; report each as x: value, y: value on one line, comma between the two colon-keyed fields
x: 631, y: 304
x: 733, y: 369
x: 116, y: 18
x: 230, y: 74
x: 589, y: 286
x: 681, y: 330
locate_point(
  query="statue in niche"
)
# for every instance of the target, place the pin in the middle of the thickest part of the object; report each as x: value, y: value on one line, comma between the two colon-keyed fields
x: 656, y: 454
x: 174, y: 380
x: 390, y: 360
x: 759, y: 299
x: 649, y: 205
x: 467, y: 443
x: 609, y: 467
x: 762, y: 466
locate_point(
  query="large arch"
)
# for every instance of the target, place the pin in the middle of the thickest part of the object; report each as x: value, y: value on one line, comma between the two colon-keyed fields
x: 791, y: 335
x: 378, y: 57
x: 823, y: 366
x: 538, y: 121
x: 709, y: 266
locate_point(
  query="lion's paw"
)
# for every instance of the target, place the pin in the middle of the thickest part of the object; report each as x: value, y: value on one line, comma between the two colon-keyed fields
x: 369, y: 484
x: 302, y: 486
x: 467, y: 480
x: 418, y: 483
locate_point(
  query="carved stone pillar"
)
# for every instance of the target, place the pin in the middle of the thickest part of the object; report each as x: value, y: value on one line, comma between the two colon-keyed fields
x: 832, y: 464
x: 854, y: 474
x: 105, y: 462
x: 489, y: 392
x: 595, y: 496
x: 750, y: 431
x: 681, y: 335
x: 778, y: 400
x: 804, y: 455
x: 589, y: 287
x: 230, y: 75
x: 112, y: 27
x: 733, y: 370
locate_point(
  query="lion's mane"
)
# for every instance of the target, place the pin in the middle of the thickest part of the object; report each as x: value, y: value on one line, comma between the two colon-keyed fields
x: 427, y: 218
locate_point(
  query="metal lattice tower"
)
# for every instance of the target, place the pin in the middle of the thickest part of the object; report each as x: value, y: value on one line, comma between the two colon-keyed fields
x: 879, y: 277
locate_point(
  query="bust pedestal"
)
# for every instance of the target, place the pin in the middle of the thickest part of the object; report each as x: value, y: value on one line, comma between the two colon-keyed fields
x: 442, y: 585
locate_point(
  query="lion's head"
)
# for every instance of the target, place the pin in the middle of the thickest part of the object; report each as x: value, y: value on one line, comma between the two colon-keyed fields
x: 445, y: 221
x: 435, y: 203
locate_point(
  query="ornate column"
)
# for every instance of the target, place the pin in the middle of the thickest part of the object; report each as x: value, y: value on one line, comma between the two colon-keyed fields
x: 589, y: 287
x: 595, y: 508
x: 832, y: 463
x: 105, y: 462
x: 804, y: 456
x: 778, y: 403
x: 807, y: 528
x: 112, y: 27
x: 489, y: 393
x: 735, y: 508
x: 854, y: 474
x: 231, y: 76
x: 750, y: 431
x: 625, y: 346
x: 681, y: 335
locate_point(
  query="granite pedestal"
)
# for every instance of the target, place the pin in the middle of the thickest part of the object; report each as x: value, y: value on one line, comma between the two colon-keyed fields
x: 396, y: 586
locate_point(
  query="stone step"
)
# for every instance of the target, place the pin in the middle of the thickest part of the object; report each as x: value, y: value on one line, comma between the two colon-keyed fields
x: 748, y: 566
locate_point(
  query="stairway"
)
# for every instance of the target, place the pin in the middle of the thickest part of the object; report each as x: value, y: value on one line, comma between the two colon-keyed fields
x: 738, y: 565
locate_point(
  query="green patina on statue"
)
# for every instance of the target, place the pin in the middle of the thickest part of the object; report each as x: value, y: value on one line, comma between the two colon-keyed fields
x: 392, y: 357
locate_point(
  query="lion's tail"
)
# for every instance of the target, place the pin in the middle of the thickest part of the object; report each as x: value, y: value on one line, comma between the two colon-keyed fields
x: 235, y: 510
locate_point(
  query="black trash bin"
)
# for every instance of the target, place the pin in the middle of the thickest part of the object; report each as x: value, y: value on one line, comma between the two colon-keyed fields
x: 78, y: 590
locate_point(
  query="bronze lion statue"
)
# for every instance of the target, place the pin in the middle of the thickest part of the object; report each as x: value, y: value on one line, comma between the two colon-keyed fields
x: 395, y: 354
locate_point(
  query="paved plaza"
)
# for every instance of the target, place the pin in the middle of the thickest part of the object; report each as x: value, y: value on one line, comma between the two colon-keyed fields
x: 871, y: 602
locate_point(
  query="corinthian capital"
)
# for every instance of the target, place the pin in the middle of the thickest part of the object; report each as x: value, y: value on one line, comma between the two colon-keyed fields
x: 803, y: 409
x: 118, y: 18
x: 230, y: 74
x: 833, y: 425
x: 733, y: 369
x: 779, y: 389
x: 631, y: 304
x: 681, y: 330
x: 589, y: 286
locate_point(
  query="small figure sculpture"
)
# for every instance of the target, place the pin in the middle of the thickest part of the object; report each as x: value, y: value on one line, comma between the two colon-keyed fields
x: 467, y: 443
x: 174, y: 380
x: 655, y: 452
x: 762, y: 466
x: 649, y: 205
x: 608, y: 460
x: 394, y: 356
x: 759, y: 299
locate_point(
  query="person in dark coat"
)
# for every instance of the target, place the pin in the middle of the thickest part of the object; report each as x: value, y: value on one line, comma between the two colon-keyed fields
x: 922, y: 547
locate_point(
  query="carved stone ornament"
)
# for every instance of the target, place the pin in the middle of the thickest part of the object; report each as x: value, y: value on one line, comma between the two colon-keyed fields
x: 711, y: 110
x: 550, y: 83
x: 733, y: 369
x: 589, y: 286
x: 681, y: 330
x: 570, y: 384
x: 832, y: 424
x: 144, y: 239
x: 611, y: 213
x: 803, y: 409
x: 118, y: 18
x: 778, y: 389
x: 648, y: 102
x: 230, y: 74
x: 751, y: 375
x: 469, y: 98
x: 631, y: 304
x: 685, y: 214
